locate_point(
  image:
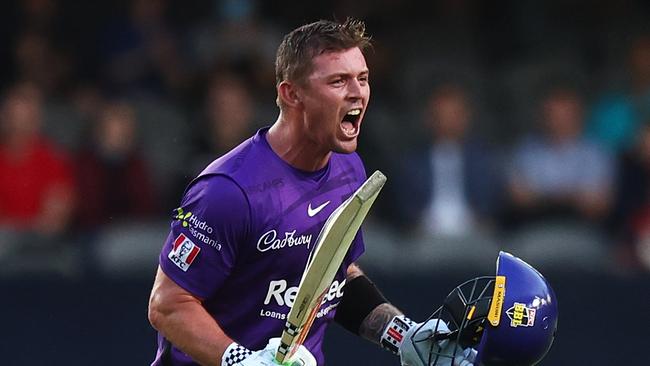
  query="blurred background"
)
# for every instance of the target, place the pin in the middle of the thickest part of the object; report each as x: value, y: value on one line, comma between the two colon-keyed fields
x: 502, y: 125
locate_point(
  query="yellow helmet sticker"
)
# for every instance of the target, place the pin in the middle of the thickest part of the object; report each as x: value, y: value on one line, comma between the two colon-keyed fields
x: 494, y: 315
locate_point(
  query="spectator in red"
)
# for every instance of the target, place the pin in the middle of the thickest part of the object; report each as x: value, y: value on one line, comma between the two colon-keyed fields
x: 37, y: 185
x: 113, y: 176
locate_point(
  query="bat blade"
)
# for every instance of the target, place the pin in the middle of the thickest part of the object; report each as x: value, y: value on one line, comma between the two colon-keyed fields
x: 332, y: 245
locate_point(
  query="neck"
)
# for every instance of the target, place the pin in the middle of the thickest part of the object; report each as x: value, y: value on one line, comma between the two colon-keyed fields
x: 289, y: 140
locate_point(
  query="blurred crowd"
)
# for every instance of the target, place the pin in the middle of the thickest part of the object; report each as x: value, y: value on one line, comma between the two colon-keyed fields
x: 523, y: 127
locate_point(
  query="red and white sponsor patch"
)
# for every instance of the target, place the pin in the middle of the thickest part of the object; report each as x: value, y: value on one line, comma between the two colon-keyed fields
x: 395, y: 334
x: 184, y: 252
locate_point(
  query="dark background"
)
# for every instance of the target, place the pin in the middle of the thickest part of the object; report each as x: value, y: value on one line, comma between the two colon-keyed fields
x: 53, y: 322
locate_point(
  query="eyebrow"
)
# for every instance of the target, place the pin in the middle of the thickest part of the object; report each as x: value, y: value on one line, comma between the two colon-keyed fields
x: 346, y: 74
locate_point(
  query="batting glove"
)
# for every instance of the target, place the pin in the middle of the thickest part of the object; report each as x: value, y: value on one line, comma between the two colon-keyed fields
x: 415, y: 344
x: 238, y: 355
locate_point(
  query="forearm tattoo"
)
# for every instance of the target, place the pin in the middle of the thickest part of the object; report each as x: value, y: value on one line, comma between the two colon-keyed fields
x: 373, y: 325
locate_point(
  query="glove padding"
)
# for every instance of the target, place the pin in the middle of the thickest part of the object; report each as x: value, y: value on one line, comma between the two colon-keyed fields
x: 238, y: 355
x: 418, y: 348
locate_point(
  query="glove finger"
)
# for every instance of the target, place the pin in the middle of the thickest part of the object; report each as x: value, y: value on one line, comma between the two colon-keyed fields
x: 466, y: 358
x: 422, y: 335
x: 273, y: 344
x: 470, y: 354
x: 428, y: 329
x: 437, y: 326
x: 303, y: 357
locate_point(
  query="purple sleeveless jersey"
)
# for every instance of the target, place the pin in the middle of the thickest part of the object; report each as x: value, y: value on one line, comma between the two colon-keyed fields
x: 242, y: 236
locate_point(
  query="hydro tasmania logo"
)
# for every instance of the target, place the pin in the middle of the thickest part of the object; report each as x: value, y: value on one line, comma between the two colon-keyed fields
x: 198, y: 228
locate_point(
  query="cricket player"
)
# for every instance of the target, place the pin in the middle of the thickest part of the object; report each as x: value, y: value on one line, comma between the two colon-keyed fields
x: 230, y: 267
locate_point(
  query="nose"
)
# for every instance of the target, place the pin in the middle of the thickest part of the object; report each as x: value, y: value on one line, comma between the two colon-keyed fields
x: 355, y: 89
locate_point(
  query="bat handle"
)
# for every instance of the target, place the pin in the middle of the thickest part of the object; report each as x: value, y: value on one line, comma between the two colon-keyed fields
x: 283, y: 352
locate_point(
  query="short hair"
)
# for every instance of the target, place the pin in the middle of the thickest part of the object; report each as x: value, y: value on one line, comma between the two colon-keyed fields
x: 294, y: 57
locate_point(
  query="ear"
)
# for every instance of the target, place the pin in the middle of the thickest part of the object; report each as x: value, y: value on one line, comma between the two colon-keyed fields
x: 288, y: 94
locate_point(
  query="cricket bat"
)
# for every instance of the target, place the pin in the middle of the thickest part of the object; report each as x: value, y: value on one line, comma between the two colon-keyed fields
x: 325, y: 260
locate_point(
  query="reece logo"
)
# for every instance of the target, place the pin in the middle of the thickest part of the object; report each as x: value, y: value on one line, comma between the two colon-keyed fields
x: 280, y: 294
x: 183, y: 253
x: 285, y: 296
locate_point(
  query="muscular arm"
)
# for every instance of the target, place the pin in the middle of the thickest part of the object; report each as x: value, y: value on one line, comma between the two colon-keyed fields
x: 183, y: 320
x: 374, y: 323
x: 179, y: 314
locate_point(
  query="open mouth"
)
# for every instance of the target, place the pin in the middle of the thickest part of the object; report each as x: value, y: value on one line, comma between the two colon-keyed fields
x: 350, y: 122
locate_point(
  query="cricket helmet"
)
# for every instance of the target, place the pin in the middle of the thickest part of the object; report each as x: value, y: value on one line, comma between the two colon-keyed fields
x: 510, y: 319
